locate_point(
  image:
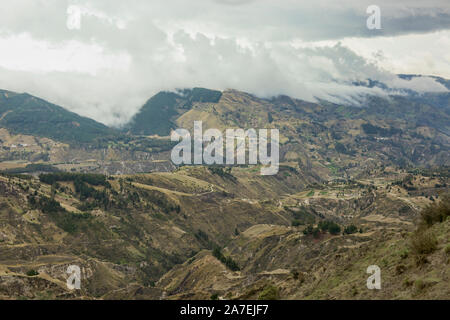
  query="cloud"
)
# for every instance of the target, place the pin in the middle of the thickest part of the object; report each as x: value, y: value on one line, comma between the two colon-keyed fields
x: 66, y: 56
x: 119, y: 54
x: 418, y: 84
x: 260, y: 20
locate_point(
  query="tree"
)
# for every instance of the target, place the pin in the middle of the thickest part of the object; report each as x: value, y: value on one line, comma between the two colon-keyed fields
x: 334, y: 229
x: 53, y: 191
x: 350, y: 229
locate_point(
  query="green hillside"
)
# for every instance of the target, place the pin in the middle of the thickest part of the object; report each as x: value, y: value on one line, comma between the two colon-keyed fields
x: 159, y: 112
x: 26, y: 114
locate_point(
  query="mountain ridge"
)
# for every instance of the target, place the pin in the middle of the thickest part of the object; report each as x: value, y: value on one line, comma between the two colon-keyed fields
x: 159, y: 114
x: 27, y: 114
x: 352, y: 185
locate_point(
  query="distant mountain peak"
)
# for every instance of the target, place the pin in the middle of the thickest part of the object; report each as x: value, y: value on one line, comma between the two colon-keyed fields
x: 26, y: 114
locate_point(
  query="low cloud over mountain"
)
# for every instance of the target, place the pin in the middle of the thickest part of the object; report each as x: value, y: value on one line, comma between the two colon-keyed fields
x: 103, y: 59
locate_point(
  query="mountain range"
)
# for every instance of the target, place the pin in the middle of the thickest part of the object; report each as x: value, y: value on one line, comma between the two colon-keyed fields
x: 358, y: 185
x: 403, y: 130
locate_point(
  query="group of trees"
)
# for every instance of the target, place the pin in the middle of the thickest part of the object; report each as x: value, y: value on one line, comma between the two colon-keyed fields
x: 107, y: 197
x: 203, y: 238
x: 436, y: 213
x: 423, y: 240
x: 301, y: 215
x: 83, y: 183
x: 371, y: 129
x: 160, y: 199
x: 227, y: 261
x: 45, y: 204
x: 330, y: 227
x: 351, y: 229
x: 339, y: 147
x: 33, y: 167
x: 222, y: 172
x: 68, y: 221
x: 90, y: 178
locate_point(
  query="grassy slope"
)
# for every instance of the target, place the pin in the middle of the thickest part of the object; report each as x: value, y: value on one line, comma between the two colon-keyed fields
x: 25, y: 114
x: 158, y: 114
x: 138, y: 237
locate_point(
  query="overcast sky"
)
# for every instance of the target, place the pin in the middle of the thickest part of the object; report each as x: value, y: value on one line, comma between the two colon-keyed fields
x: 105, y: 58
